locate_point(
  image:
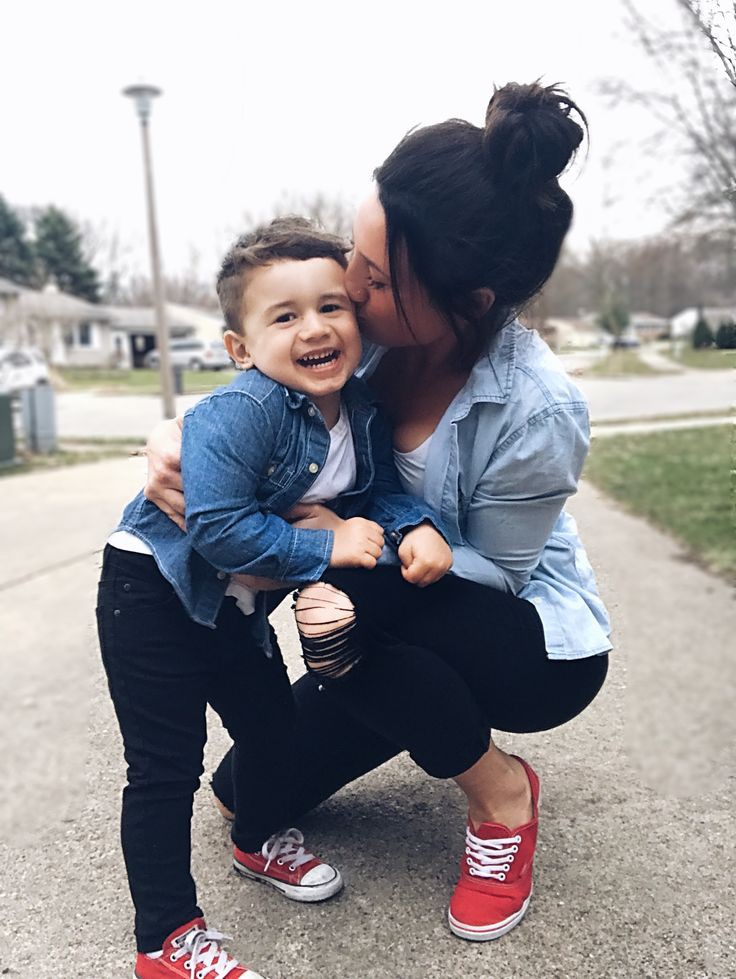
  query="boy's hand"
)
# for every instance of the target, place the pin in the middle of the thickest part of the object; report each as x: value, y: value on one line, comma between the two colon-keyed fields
x: 358, y: 544
x: 425, y: 555
x: 164, y: 486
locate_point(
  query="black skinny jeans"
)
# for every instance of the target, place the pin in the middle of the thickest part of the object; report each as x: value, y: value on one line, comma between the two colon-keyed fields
x: 163, y: 669
x: 440, y: 667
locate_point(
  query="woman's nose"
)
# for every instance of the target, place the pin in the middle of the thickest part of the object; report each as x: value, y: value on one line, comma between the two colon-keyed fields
x: 356, y: 290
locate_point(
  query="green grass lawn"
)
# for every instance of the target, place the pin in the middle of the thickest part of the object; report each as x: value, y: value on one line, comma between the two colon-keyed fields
x: 711, y: 359
x: 30, y: 462
x: 620, y: 363
x: 680, y: 480
x: 138, y: 381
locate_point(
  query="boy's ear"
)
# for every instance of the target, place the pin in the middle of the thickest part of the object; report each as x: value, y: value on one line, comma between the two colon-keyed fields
x: 237, y: 350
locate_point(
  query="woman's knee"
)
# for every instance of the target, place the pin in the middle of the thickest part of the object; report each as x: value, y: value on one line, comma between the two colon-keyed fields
x: 326, y: 620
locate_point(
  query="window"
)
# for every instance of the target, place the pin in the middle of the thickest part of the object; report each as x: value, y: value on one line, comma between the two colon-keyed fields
x: 85, y: 334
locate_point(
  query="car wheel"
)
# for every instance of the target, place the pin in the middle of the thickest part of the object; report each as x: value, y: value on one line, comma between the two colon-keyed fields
x: 195, y: 365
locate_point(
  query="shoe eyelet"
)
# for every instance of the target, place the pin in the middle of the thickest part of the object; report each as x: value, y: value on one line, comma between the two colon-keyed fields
x: 292, y: 868
x: 471, y: 871
x: 502, y: 876
x: 515, y: 849
x: 174, y: 958
x: 280, y: 863
x: 511, y: 859
x: 518, y: 839
x: 468, y: 861
x: 506, y: 866
x: 188, y: 964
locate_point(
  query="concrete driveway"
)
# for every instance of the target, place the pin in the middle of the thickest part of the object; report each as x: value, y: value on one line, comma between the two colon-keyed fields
x: 635, y: 874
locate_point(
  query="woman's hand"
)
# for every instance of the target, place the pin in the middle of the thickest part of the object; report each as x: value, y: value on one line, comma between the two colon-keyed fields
x: 313, y: 516
x: 257, y: 583
x: 425, y: 555
x: 163, y: 484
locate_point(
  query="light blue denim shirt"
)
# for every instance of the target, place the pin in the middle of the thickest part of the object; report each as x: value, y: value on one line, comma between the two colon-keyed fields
x: 505, y: 456
x: 250, y: 451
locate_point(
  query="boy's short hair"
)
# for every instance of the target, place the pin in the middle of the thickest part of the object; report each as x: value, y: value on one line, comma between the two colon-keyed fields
x: 289, y: 237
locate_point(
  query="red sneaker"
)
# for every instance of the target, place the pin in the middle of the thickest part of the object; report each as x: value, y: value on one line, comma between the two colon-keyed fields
x: 495, y: 884
x: 284, y: 863
x: 193, y: 952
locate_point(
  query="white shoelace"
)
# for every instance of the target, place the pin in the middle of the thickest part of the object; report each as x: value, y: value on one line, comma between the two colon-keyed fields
x: 490, y: 858
x: 207, y: 960
x: 286, y: 847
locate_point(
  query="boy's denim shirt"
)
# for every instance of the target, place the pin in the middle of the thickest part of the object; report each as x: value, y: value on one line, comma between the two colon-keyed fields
x: 504, y: 458
x: 250, y: 451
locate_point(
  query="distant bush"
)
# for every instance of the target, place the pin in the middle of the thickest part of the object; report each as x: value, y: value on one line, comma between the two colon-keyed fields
x: 726, y: 335
x: 702, y: 335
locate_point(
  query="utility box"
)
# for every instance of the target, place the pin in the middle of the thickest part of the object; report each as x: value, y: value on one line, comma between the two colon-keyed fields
x: 7, y: 435
x: 38, y: 414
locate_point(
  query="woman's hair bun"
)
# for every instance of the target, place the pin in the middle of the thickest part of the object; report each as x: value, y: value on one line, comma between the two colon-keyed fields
x: 529, y: 135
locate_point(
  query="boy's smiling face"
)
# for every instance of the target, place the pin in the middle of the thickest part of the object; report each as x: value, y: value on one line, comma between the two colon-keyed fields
x: 299, y: 327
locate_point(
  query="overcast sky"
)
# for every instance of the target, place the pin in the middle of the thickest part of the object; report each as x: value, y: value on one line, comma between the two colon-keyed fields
x: 265, y: 97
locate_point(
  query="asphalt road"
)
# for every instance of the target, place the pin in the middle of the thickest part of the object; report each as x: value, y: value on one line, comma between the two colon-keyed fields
x: 82, y: 414
x: 635, y: 868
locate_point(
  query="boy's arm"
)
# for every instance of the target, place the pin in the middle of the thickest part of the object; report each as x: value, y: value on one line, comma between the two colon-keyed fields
x: 389, y: 505
x: 227, y: 442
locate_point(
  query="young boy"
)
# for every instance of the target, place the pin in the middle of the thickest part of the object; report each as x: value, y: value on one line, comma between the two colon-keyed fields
x: 178, y: 631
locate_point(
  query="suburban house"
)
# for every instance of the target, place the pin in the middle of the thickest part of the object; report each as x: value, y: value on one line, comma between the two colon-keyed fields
x: 73, y: 333
x: 648, y: 326
x: 684, y: 322
x: 565, y: 333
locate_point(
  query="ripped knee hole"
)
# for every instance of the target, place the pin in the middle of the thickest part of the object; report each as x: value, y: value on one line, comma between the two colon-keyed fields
x: 326, y: 620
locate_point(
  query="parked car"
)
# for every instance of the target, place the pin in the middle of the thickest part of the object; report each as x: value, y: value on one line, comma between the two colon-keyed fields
x: 21, y: 368
x: 626, y: 342
x: 194, y: 355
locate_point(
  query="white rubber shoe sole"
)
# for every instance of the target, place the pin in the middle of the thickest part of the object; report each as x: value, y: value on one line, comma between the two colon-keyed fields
x: 296, y: 892
x: 487, y: 933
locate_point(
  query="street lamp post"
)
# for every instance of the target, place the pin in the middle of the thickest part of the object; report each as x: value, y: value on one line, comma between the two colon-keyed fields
x: 143, y: 96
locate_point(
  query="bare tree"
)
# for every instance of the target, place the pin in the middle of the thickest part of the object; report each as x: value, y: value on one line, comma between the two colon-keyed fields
x: 716, y: 20
x: 333, y: 212
x: 693, y: 104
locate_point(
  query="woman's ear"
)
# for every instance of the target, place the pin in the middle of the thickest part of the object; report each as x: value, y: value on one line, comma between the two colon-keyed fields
x: 237, y: 350
x: 483, y: 299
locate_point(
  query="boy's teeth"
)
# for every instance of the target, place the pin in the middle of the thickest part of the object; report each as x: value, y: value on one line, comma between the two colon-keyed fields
x: 318, y: 358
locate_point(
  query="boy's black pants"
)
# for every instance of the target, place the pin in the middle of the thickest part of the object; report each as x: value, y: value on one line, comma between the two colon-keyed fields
x: 163, y: 669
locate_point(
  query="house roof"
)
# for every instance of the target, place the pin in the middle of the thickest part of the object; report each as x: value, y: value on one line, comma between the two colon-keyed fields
x: 8, y: 288
x: 50, y: 303
x: 142, y: 319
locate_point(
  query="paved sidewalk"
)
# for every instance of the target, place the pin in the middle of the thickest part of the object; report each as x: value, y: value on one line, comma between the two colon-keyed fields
x: 635, y: 875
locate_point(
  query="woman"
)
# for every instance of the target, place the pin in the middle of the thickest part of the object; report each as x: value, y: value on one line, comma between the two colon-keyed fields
x: 463, y: 229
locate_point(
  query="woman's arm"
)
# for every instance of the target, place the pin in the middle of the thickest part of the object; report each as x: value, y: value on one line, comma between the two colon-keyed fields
x: 520, y: 496
x: 164, y: 485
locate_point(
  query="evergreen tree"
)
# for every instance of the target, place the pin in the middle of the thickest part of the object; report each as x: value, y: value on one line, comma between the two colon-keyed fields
x: 726, y: 335
x: 702, y: 334
x: 60, y: 255
x: 16, y: 253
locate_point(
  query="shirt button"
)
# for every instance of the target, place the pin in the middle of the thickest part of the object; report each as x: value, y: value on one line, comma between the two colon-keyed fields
x: 313, y: 467
x: 126, y: 586
x: 221, y: 575
x: 271, y: 470
x: 311, y: 411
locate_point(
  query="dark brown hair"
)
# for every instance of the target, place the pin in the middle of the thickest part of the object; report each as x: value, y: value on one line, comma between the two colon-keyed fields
x: 283, y: 238
x: 470, y: 207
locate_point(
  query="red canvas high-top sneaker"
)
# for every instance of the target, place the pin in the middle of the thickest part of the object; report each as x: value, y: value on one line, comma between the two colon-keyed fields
x: 192, y: 951
x: 495, y: 884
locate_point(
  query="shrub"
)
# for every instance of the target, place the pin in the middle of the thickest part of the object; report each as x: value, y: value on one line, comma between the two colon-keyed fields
x: 726, y: 335
x: 702, y: 335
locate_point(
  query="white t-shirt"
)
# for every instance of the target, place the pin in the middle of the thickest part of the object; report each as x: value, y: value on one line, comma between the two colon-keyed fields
x: 338, y: 476
x: 412, y: 467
